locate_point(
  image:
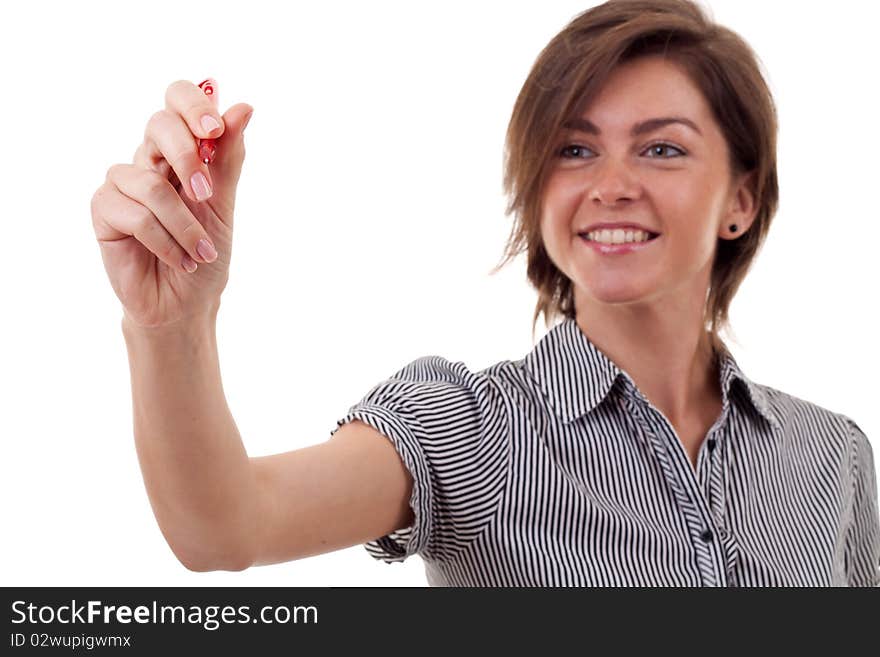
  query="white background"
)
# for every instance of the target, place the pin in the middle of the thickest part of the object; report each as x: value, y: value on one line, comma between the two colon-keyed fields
x: 369, y: 214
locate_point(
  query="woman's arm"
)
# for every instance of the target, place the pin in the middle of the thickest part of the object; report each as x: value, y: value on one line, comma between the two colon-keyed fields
x: 221, y: 510
x: 351, y: 489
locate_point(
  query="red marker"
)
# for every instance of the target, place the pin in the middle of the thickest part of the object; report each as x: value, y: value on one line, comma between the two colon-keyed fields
x: 207, y: 148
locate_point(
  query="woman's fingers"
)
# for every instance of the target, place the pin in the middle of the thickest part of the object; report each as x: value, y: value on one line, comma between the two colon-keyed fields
x: 116, y: 217
x: 197, y: 109
x: 142, y: 159
x: 171, y: 138
x: 167, y: 137
x: 164, y: 225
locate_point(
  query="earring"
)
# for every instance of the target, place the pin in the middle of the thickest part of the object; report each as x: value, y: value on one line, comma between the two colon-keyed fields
x: 732, y: 228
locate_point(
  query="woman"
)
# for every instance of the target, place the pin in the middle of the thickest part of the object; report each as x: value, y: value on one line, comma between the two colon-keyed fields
x: 628, y: 448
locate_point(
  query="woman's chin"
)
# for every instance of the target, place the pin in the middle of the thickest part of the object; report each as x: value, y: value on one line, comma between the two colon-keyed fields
x: 615, y: 292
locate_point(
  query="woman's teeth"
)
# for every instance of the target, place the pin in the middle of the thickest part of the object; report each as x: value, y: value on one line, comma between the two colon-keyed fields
x: 618, y: 236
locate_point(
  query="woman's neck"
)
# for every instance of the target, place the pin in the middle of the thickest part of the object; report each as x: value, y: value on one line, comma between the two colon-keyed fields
x: 669, y: 358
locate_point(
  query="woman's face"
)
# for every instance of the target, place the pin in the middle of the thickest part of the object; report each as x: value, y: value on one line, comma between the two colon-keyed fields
x: 671, y: 179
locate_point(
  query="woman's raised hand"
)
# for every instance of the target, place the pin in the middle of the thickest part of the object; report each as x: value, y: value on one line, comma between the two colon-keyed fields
x: 153, y: 218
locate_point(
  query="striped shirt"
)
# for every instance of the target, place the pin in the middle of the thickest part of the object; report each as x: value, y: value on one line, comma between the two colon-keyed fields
x: 555, y: 470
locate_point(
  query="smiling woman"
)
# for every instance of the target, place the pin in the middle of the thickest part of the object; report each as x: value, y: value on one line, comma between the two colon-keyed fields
x: 626, y: 448
x: 641, y: 173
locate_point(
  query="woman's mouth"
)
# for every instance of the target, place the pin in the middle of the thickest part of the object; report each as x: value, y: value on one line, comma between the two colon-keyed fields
x: 604, y: 241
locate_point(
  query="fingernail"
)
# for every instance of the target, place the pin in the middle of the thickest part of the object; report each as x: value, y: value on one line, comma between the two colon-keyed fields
x: 209, y: 123
x: 247, y: 120
x: 206, y: 250
x: 188, y: 263
x: 200, y: 186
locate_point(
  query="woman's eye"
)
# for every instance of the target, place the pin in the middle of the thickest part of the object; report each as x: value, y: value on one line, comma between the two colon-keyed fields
x: 653, y: 148
x: 574, y: 150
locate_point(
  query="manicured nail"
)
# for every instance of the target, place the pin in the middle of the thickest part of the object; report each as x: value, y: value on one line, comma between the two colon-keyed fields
x: 188, y: 263
x: 247, y: 120
x: 200, y: 186
x: 206, y: 250
x: 209, y: 123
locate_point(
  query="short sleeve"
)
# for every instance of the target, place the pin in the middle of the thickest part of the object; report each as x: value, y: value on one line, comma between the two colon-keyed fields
x: 863, y: 537
x: 449, y: 426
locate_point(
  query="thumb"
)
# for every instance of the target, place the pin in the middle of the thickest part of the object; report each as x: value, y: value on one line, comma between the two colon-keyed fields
x: 229, y: 157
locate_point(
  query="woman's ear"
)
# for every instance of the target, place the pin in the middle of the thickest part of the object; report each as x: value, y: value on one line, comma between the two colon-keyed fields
x: 741, y: 208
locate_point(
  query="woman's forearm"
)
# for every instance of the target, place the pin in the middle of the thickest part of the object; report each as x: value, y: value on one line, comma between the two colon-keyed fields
x: 195, y: 467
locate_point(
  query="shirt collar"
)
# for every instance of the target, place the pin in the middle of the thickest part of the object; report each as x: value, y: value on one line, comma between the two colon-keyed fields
x: 575, y: 376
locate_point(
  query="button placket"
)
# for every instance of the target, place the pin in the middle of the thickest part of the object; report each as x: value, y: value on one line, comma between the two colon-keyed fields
x: 713, y: 458
x: 722, y: 475
x: 718, y: 480
x: 683, y: 480
x: 717, y: 474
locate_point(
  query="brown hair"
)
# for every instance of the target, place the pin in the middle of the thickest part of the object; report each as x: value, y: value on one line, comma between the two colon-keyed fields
x: 570, y: 71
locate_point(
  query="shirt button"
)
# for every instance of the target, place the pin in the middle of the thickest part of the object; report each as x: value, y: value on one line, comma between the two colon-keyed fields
x: 710, y: 444
x: 706, y: 536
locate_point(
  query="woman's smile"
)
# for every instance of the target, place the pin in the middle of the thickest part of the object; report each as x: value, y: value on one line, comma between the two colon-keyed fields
x: 618, y: 242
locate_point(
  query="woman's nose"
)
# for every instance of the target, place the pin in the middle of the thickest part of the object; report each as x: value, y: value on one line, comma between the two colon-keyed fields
x: 611, y: 182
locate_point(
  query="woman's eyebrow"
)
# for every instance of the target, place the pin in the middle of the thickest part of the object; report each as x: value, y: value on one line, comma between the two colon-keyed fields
x: 649, y: 125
